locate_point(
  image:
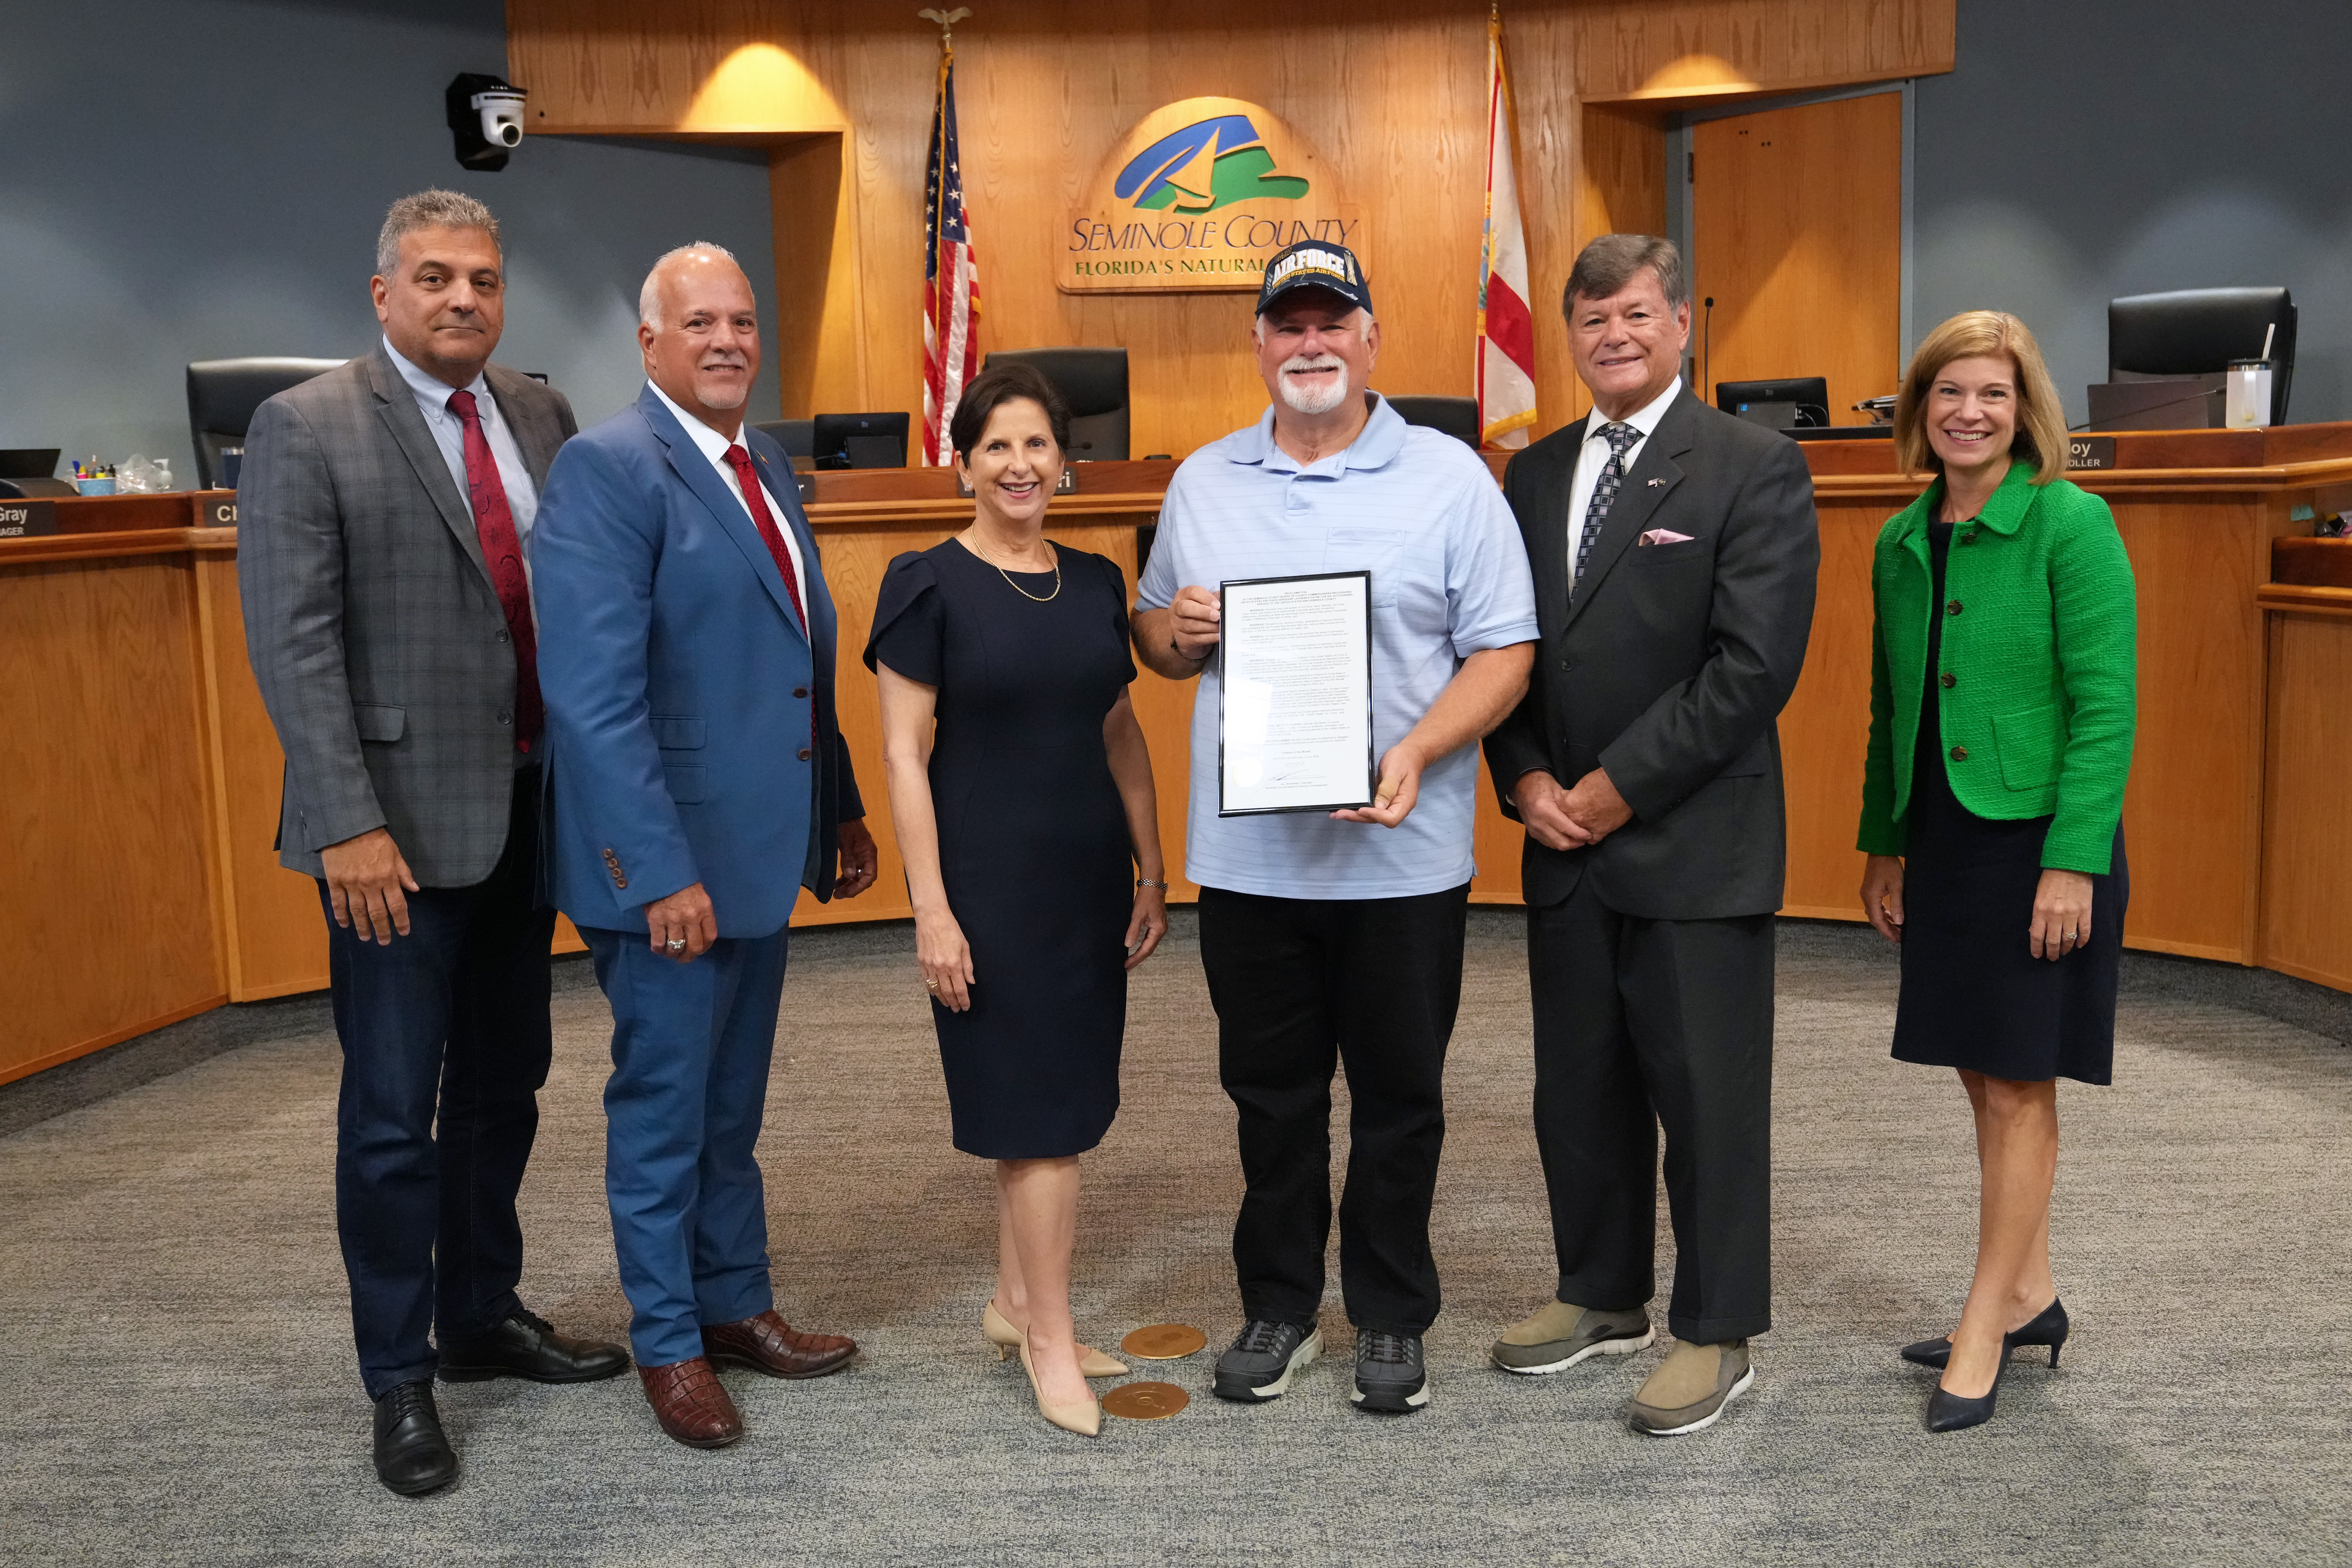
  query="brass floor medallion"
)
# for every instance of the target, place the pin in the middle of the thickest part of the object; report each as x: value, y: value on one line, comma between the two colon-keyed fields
x: 1145, y: 1401
x: 1164, y: 1341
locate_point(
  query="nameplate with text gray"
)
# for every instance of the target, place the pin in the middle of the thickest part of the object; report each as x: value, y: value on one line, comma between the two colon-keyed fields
x: 26, y: 519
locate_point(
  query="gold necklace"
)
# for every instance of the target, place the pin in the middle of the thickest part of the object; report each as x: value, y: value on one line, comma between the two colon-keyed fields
x: 1032, y: 599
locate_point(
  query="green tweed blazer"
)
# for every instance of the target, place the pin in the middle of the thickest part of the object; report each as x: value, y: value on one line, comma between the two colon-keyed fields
x: 2039, y: 664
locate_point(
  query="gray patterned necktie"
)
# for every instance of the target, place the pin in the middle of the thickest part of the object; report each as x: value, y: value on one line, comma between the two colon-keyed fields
x: 1604, y: 491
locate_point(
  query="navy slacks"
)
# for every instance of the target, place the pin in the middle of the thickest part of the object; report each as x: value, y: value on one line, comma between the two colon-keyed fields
x: 691, y: 1044
x: 446, y: 1045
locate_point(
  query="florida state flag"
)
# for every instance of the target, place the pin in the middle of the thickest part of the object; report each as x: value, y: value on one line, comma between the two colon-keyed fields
x: 1507, y: 333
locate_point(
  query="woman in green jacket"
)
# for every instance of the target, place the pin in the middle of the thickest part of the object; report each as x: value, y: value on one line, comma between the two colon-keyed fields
x: 2002, y: 707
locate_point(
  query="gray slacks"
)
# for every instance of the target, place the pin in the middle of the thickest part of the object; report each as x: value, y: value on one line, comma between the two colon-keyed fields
x: 1641, y: 1023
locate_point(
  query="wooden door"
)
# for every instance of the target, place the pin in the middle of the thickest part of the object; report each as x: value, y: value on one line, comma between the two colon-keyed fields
x: 1797, y: 231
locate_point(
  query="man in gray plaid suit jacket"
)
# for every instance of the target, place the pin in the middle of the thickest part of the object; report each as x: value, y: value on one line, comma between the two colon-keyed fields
x: 383, y: 515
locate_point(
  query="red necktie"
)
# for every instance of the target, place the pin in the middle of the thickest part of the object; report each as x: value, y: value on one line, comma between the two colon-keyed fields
x: 749, y: 481
x: 502, y: 553
x: 762, y: 520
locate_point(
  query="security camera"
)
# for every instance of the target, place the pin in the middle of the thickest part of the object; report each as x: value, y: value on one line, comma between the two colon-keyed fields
x: 486, y: 116
x: 501, y: 112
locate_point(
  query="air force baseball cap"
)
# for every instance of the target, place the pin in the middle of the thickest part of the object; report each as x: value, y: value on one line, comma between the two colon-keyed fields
x: 1315, y: 264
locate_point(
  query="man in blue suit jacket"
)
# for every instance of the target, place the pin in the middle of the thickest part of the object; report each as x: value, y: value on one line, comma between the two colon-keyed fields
x: 698, y: 781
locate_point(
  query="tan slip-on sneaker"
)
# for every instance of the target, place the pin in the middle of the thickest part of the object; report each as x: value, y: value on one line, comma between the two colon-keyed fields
x: 1690, y: 1387
x: 1563, y: 1333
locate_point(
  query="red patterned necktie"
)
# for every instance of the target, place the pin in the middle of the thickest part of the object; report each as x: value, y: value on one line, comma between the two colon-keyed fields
x: 747, y: 480
x: 502, y: 553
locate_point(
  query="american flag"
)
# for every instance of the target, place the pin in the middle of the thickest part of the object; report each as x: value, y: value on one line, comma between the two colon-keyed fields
x: 950, y: 278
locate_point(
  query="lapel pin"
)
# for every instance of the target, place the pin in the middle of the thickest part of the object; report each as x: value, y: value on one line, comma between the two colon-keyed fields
x: 1655, y: 483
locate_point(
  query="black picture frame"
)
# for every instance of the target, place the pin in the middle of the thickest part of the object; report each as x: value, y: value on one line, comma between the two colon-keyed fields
x: 1371, y: 762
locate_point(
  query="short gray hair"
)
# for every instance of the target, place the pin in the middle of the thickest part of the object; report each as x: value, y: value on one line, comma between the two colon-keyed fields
x: 430, y: 209
x: 649, y: 297
x: 1609, y: 263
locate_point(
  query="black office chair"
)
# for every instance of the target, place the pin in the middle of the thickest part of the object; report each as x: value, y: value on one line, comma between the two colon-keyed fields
x: 1092, y: 381
x: 1455, y: 417
x: 796, y: 437
x: 223, y: 394
x: 2198, y: 331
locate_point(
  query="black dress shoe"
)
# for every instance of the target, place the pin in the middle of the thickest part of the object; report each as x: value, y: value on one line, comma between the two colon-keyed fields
x: 413, y: 1455
x: 1949, y: 1411
x: 524, y: 1346
x: 2050, y: 1327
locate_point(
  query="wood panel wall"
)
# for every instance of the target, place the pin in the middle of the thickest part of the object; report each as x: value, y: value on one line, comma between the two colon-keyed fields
x: 2306, y: 920
x: 1797, y: 232
x: 1390, y: 92
x: 108, y: 911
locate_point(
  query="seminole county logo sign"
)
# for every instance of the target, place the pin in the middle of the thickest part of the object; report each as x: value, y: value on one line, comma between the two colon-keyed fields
x: 1198, y: 196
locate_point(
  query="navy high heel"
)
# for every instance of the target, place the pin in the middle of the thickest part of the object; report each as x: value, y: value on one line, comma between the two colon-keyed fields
x: 1948, y: 1412
x: 2050, y: 1327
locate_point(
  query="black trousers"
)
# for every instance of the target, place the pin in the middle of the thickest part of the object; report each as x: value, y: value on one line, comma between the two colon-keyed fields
x: 1301, y: 986
x: 1643, y: 1023
x: 449, y: 1023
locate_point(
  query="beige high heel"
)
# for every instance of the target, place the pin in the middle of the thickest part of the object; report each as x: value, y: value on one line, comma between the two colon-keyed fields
x: 1085, y: 1419
x: 1007, y: 1339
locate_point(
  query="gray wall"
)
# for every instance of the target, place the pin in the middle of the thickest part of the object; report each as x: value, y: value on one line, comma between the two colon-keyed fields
x: 2095, y: 148
x: 193, y: 179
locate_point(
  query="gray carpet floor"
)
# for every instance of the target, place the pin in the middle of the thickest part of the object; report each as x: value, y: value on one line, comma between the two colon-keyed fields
x: 181, y: 1389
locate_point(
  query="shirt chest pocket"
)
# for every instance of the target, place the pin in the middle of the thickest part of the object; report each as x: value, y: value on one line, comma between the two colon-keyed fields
x: 1405, y: 577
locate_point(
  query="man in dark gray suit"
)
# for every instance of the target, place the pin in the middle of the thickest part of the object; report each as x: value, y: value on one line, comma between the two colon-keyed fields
x: 384, y: 510
x: 1675, y: 550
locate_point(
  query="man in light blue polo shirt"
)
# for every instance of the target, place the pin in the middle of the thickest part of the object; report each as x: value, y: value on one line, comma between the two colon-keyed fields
x: 1339, y: 937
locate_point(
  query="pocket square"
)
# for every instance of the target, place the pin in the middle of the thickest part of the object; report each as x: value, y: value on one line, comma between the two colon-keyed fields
x: 1664, y: 536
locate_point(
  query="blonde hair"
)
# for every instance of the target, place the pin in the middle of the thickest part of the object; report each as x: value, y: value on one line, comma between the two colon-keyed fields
x: 2041, y: 440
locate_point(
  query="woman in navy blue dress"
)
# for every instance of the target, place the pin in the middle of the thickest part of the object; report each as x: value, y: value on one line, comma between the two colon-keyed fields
x: 1023, y: 799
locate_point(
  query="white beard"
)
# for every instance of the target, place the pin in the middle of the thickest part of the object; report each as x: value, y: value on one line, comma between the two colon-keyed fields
x: 1303, y: 401
x: 722, y: 399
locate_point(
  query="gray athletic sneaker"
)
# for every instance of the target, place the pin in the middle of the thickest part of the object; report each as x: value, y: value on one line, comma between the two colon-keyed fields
x: 1562, y: 1334
x: 1390, y: 1375
x: 1258, y: 1363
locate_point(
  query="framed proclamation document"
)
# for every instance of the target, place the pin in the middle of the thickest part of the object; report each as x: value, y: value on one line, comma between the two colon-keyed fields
x: 1295, y: 694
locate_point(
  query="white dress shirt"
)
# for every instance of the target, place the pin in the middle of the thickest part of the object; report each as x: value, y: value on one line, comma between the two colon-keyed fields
x: 449, y: 435
x: 714, y: 447
x: 1593, y: 456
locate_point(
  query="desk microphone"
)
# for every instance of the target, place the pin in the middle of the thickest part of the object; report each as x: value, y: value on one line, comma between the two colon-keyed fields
x: 1708, y: 333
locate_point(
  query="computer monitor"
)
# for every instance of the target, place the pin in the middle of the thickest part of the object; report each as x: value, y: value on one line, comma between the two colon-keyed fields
x: 860, y: 441
x: 31, y: 471
x: 1781, y: 405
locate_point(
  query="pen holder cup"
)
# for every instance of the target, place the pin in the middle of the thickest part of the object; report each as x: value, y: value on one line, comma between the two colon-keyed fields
x: 2248, y: 399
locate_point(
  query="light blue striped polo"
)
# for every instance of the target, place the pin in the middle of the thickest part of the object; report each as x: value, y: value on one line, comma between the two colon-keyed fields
x: 1418, y: 510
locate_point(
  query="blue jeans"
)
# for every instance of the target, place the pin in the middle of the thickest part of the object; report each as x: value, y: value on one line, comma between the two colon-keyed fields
x: 448, y: 1023
x: 691, y: 1044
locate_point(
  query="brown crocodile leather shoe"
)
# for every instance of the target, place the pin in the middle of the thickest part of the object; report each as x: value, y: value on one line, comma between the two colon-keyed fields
x: 769, y: 1344
x: 692, y: 1404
